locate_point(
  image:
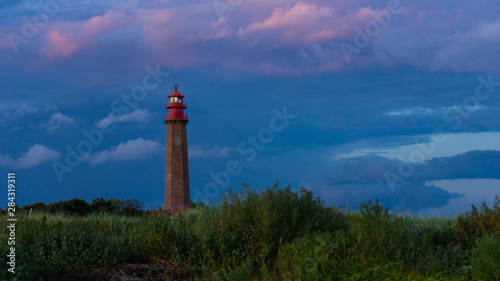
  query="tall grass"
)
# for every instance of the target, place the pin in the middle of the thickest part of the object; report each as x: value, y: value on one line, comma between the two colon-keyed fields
x: 275, y: 234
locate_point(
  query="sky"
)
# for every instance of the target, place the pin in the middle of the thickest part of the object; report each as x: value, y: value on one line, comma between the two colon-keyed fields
x: 355, y: 100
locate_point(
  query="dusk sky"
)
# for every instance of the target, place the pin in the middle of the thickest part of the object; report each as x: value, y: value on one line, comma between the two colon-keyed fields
x: 355, y: 100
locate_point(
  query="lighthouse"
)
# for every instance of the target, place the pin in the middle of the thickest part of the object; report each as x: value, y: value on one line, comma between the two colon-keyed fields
x: 176, y: 169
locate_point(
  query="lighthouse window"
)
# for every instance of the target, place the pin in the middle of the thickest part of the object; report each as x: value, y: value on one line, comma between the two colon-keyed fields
x: 177, y: 141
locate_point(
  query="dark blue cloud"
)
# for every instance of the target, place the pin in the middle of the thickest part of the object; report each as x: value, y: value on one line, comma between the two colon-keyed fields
x: 363, y: 178
x: 412, y: 196
x: 371, y: 169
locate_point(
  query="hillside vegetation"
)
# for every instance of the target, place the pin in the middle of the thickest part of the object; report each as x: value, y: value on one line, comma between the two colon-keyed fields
x: 275, y: 234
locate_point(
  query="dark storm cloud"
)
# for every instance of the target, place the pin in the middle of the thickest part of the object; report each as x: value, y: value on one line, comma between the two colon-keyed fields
x: 412, y: 196
x: 364, y: 178
x: 371, y: 169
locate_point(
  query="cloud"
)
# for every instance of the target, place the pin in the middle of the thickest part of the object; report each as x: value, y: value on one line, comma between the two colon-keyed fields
x: 473, y: 50
x: 372, y: 169
x: 138, y: 115
x: 424, y: 148
x: 364, y: 178
x: 50, y: 107
x: 473, y: 164
x: 132, y: 149
x: 60, y: 44
x: 15, y: 109
x: 413, y: 196
x: 437, y: 36
x: 300, y: 23
x: 417, y: 110
x: 108, y: 22
x: 25, y: 109
x: 56, y: 121
x: 300, y: 14
x: 216, y: 152
x: 35, y: 156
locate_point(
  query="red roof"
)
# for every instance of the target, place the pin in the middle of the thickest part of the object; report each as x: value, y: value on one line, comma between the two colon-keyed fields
x: 175, y: 93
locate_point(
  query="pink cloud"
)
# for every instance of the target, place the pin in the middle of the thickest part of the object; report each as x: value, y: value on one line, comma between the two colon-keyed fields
x: 299, y: 15
x: 256, y: 35
x: 307, y: 23
x: 365, y: 12
x: 172, y: 36
x: 218, y: 29
x: 4, y: 41
x: 63, y: 39
x: 105, y: 23
x: 60, y: 45
x: 161, y: 16
x: 323, y: 35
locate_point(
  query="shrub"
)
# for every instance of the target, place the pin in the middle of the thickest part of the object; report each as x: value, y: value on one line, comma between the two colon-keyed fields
x: 148, y: 239
x: 68, y: 248
x: 312, y: 257
x: 197, y: 205
x: 487, y: 261
x: 35, y: 207
x: 256, y: 224
x: 101, y: 205
x: 128, y: 207
x: 75, y: 247
x: 70, y: 207
x: 374, y: 234
x: 475, y: 224
x: 78, y: 207
x: 275, y: 234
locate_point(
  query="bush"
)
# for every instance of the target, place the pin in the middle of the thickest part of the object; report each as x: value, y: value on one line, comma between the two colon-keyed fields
x: 251, y: 224
x: 275, y: 234
x: 148, y: 239
x: 76, y: 247
x: 74, y: 206
x: 197, y: 205
x: 475, y: 224
x: 375, y: 234
x: 313, y: 257
x: 35, y: 207
x: 68, y: 248
x: 78, y: 207
x: 128, y: 207
x: 487, y: 261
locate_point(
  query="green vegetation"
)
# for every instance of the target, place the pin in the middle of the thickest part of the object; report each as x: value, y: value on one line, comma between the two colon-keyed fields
x: 78, y: 207
x: 275, y: 234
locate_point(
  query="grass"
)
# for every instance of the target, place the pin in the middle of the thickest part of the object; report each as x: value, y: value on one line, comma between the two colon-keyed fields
x: 275, y: 234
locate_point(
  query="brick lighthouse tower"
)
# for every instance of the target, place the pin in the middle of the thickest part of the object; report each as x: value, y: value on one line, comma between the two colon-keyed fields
x: 176, y: 171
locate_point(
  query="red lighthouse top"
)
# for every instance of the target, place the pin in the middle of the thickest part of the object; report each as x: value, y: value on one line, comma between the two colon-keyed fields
x: 175, y: 106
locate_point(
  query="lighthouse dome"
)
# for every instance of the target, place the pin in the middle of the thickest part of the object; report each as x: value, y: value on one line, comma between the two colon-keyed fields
x: 176, y: 94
